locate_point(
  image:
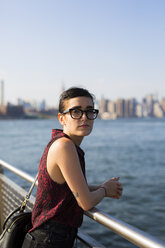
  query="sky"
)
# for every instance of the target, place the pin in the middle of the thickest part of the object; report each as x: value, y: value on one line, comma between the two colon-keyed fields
x: 114, y: 48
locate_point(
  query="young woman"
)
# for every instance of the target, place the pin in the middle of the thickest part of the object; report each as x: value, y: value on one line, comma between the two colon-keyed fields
x: 63, y: 193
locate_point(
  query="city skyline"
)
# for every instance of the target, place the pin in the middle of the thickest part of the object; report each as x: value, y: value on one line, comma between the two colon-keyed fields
x: 149, y: 106
x: 40, y: 101
x: 36, y: 102
x: 113, y: 48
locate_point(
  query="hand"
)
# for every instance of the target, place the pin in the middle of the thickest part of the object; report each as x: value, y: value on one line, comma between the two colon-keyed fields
x: 113, y: 188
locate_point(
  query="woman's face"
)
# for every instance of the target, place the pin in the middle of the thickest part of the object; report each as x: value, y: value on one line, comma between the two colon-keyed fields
x: 77, y: 127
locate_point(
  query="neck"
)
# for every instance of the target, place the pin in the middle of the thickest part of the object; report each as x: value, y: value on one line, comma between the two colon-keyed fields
x: 76, y: 139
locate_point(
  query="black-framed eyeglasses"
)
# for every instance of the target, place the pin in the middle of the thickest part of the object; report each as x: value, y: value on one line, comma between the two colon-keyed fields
x: 75, y: 113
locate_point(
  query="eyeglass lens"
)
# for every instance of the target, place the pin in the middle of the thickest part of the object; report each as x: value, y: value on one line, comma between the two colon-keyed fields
x: 77, y: 113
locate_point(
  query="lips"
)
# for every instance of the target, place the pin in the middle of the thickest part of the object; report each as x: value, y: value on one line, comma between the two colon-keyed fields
x: 84, y: 125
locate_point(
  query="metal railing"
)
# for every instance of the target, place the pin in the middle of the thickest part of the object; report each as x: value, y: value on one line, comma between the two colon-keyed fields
x: 12, y: 195
x: 128, y: 232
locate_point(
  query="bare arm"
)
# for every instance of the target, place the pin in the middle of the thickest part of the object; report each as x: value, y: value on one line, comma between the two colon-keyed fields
x: 112, y: 187
x: 93, y: 187
x: 63, y: 156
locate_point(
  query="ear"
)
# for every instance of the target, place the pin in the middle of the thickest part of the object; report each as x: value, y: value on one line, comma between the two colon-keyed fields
x: 61, y: 119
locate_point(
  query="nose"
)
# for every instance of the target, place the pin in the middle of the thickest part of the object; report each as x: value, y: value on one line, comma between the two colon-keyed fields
x: 84, y: 116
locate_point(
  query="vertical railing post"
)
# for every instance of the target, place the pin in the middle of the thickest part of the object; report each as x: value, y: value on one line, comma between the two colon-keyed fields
x: 1, y: 169
x: 1, y: 172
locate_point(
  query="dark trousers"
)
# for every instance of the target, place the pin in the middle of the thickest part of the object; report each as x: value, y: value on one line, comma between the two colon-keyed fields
x: 50, y: 235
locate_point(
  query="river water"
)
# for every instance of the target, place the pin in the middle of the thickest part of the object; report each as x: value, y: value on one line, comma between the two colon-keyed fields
x: 133, y: 149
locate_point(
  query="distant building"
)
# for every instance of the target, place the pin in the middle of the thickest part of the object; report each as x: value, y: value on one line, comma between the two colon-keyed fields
x: 126, y: 108
x: 111, y: 107
x: 26, y: 104
x: 139, y: 110
x: 2, y: 111
x: 150, y: 100
x: 32, y: 105
x: 158, y: 110
x: 132, y: 107
x: 14, y: 111
x: 108, y: 110
x: 2, y: 93
x: 53, y: 112
x: 162, y: 103
x: 120, y: 108
x: 103, y: 106
x: 42, y: 105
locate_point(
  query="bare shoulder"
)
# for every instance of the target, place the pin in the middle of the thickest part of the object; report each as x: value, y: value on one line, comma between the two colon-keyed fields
x: 62, y: 145
x: 57, y: 158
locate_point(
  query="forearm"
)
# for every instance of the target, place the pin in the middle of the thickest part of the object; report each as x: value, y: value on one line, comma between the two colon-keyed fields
x: 98, y: 195
x: 93, y: 187
x: 94, y: 198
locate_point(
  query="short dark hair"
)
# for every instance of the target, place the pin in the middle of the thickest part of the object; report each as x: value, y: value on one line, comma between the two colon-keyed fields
x: 72, y: 93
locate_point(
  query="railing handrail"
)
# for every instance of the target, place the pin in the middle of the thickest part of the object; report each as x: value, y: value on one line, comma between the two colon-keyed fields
x: 18, y: 172
x: 129, y: 232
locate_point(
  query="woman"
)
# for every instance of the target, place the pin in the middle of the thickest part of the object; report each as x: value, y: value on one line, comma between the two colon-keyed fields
x: 63, y: 193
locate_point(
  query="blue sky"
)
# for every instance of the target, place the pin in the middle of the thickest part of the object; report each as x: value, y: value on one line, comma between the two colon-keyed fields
x: 114, y: 48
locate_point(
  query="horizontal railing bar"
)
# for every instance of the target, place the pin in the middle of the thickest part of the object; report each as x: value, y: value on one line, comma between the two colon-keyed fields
x: 89, y: 241
x: 18, y: 172
x: 132, y: 234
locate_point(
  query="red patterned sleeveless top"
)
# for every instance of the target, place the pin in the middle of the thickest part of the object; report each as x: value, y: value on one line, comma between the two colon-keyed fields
x: 53, y: 200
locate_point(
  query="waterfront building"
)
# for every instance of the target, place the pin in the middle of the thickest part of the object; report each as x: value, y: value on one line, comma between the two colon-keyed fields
x: 150, y: 100
x: 103, y: 106
x: 27, y: 105
x: 158, y: 110
x: 120, y: 108
x: 126, y: 108
x: 2, y: 111
x: 32, y: 105
x: 42, y: 105
x: 162, y: 103
x: 14, y: 111
x: 1, y: 93
x: 111, y: 107
x: 108, y: 109
x: 139, y: 110
x: 132, y: 107
x: 144, y: 108
x: 108, y: 116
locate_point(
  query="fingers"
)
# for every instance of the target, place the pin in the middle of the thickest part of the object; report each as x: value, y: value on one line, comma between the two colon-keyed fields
x: 117, y: 196
x: 114, y: 188
x: 119, y: 186
x: 115, y: 178
x: 119, y: 191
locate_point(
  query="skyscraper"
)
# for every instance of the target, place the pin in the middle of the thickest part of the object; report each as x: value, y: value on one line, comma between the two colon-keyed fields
x: 126, y: 108
x: 120, y: 108
x: 103, y: 105
x: 1, y: 93
x: 132, y: 107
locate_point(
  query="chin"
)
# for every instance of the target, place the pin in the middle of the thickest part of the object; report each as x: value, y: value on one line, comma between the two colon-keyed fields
x: 85, y: 132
